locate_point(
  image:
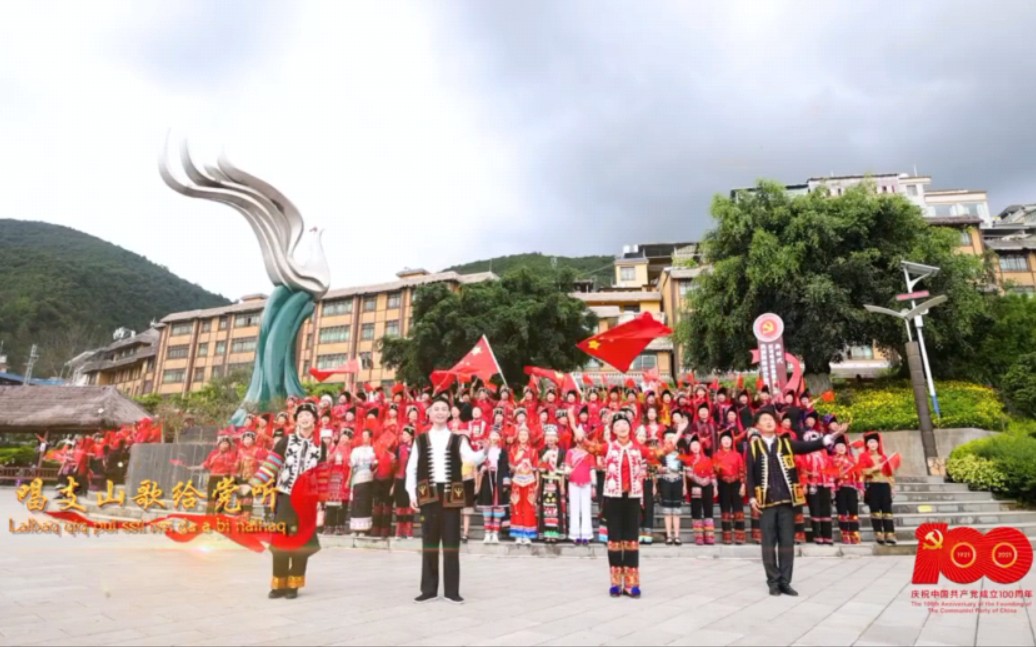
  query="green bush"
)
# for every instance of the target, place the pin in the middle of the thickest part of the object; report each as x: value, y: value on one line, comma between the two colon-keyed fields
x: 1019, y: 385
x: 889, y: 405
x: 17, y: 456
x: 1008, y: 457
x: 978, y: 473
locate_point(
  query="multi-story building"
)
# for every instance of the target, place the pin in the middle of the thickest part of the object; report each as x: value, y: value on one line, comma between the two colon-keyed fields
x: 128, y: 363
x: 1012, y: 237
x: 198, y: 345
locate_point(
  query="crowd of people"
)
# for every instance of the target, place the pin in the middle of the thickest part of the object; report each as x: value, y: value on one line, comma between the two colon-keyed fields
x: 87, y: 461
x: 545, y: 463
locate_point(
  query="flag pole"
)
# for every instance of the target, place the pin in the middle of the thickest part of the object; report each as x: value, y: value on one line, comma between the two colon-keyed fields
x: 493, y: 353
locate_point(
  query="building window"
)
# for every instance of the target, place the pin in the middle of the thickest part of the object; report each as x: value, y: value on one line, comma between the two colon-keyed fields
x: 392, y: 328
x: 247, y: 319
x: 217, y: 371
x: 334, y: 334
x: 224, y: 323
x: 1013, y: 263
x: 203, y: 349
x: 182, y: 329
x: 243, y: 345
x: 239, y: 367
x: 394, y: 299
x: 861, y: 352
x: 199, y: 374
x: 330, y: 361
x: 627, y: 274
x: 631, y: 308
x: 366, y: 361
x: 206, y: 326
x: 221, y: 348
x: 370, y: 304
x: 305, y: 367
x: 912, y: 190
x: 685, y: 287
x: 965, y: 238
x: 367, y: 332
x: 644, y: 362
x: 178, y: 352
x: 339, y: 307
x: 173, y: 376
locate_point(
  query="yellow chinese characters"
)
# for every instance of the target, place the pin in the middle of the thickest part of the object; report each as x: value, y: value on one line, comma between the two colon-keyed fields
x: 109, y: 498
x: 33, y: 491
x: 224, y: 493
x: 70, y: 501
x: 149, y: 494
x: 185, y: 496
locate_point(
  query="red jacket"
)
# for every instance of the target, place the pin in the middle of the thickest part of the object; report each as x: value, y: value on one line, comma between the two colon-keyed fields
x: 730, y: 465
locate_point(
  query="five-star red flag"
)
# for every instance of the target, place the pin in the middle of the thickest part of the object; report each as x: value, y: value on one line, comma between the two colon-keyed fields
x: 557, y: 377
x: 587, y: 380
x: 351, y: 366
x: 480, y: 362
x: 620, y: 345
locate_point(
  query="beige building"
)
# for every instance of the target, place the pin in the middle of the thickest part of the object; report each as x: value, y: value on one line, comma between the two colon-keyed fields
x: 128, y: 363
x: 198, y: 345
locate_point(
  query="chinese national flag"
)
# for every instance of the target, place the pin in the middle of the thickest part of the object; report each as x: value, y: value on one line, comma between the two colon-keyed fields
x: 740, y: 381
x: 620, y: 345
x: 587, y: 380
x: 569, y: 384
x: 556, y: 377
x: 828, y: 396
x: 351, y: 366
x: 480, y: 362
x: 759, y: 384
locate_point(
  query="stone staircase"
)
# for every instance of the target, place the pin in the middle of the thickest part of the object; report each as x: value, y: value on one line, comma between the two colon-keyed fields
x: 918, y: 499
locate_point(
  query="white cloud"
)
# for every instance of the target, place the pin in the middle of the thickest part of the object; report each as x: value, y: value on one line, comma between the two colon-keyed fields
x: 348, y: 115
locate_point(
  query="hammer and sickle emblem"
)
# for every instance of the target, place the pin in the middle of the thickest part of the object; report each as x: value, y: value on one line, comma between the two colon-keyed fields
x: 933, y: 540
x: 768, y: 327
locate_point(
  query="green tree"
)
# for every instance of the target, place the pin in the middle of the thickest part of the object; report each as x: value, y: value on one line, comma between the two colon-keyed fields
x: 815, y: 260
x: 1005, y: 332
x: 1020, y: 385
x: 529, y: 319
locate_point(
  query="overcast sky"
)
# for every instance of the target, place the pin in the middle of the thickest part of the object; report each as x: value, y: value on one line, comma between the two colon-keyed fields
x: 429, y: 134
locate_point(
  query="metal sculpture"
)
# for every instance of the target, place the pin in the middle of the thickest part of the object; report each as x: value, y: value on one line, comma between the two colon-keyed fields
x: 279, y: 228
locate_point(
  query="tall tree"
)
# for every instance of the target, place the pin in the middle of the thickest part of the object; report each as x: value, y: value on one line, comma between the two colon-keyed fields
x: 815, y: 260
x: 528, y: 317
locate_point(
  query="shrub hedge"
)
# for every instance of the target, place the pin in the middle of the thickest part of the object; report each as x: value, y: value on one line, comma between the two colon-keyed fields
x: 1004, y: 463
x: 890, y: 405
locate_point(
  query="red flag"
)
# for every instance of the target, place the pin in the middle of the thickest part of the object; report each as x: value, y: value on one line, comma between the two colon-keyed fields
x: 442, y: 380
x: 557, y: 377
x: 759, y: 384
x: 398, y: 387
x: 715, y: 384
x: 480, y: 362
x: 534, y: 385
x: 630, y: 384
x: 858, y: 444
x: 620, y: 345
x: 569, y: 384
x: 827, y: 396
x: 894, y: 461
x: 740, y: 381
x: 587, y: 380
x: 351, y: 366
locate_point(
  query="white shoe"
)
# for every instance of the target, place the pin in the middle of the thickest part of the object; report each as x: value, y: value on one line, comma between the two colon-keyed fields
x: 496, y: 538
x: 488, y: 538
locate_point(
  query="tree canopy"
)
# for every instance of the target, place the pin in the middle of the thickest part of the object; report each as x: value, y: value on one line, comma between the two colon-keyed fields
x: 528, y: 317
x: 815, y: 260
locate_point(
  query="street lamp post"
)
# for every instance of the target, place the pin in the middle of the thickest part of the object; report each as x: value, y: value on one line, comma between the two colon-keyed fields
x: 917, y: 379
x: 914, y: 273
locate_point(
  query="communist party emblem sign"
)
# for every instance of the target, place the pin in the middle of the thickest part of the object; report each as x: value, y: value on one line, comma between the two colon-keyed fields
x: 769, y: 332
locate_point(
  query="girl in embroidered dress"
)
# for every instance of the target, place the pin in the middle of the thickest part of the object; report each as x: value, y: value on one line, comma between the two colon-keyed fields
x: 493, y: 480
x: 848, y: 486
x: 524, y: 481
x: 701, y: 478
x: 670, y: 486
x: 623, y: 491
x: 879, y: 479
x: 362, y: 463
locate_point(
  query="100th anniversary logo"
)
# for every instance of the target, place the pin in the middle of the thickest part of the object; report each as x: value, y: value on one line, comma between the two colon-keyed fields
x: 965, y: 555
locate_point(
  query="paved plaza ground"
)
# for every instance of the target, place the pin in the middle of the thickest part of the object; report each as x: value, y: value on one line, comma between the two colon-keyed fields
x: 134, y: 590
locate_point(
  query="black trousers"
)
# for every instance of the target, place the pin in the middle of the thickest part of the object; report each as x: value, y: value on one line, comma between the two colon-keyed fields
x: 381, y: 508
x: 623, y: 514
x: 289, y: 566
x: 778, y: 530
x: 335, y: 515
x: 701, y: 507
x: 879, y: 499
x: 820, y: 515
x: 440, y: 527
x: 729, y: 505
x: 848, y: 505
x: 647, y: 517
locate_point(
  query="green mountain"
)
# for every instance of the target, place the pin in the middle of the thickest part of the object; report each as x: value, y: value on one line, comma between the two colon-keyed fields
x: 67, y: 291
x: 599, y: 268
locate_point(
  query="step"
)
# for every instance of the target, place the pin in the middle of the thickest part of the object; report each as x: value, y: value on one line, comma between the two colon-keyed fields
x: 992, y: 505
x: 931, y: 487
x: 1011, y: 518
x: 943, y: 496
x: 920, y: 479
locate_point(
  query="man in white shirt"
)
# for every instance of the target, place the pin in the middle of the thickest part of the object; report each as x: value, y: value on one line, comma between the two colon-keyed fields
x: 436, y: 489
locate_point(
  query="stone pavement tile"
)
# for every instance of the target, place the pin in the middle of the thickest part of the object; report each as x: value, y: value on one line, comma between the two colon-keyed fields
x: 1005, y: 629
x: 36, y: 631
x: 579, y: 639
x: 104, y: 638
x: 828, y: 636
x: 701, y: 637
x: 894, y: 634
x: 645, y: 636
x: 518, y: 638
x: 839, y: 620
x: 945, y: 635
x: 165, y: 639
x: 386, y: 637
